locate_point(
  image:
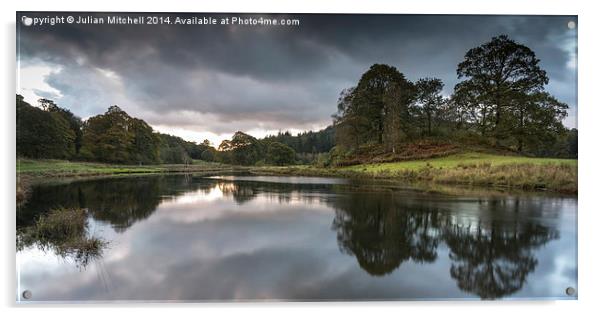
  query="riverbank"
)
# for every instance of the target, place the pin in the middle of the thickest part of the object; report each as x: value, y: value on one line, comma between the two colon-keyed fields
x: 473, y: 169
x: 469, y: 169
x: 32, y: 171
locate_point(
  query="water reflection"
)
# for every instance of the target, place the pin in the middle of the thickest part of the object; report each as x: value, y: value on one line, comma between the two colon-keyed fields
x: 381, y: 234
x: 120, y: 202
x: 488, y: 246
x: 66, y: 233
x: 491, y: 254
x: 494, y: 261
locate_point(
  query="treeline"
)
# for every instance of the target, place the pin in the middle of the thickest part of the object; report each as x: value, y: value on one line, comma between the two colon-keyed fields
x: 307, y: 142
x: 500, y: 102
x: 52, y: 132
x: 309, y: 146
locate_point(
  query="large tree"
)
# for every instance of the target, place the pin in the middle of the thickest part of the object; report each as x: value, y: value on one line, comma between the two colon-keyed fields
x: 106, y: 137
x: 119, y: 138
x: 374, y: 110
x: 44, y: 133
x: 500, y: 73
x: 242, y: 149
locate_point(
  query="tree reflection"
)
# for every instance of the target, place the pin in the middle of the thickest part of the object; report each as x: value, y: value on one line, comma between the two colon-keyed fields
x: 246, y: 191
x: 241, y: 192
x: 494, y: 262
x: 491, y: 241
x: 55, y: 217
x: 381, y: 235
x: 491, y: 251
x: 120, y: 202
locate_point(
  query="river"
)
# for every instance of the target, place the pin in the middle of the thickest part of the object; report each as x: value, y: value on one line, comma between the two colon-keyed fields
x: 194, y: 238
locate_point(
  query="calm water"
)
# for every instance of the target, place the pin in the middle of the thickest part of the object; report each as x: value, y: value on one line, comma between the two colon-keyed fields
x: 294, y: 238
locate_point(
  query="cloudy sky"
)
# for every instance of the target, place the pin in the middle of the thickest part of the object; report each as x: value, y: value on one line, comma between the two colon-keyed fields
x: 208, y: 81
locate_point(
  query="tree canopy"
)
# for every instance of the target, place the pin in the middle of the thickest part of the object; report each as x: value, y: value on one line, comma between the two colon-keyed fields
x: 46, y: 132
x: 500, y: 101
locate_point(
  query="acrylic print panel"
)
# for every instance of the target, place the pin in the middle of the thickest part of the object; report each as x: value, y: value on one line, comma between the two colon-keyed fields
x: 259, y: 157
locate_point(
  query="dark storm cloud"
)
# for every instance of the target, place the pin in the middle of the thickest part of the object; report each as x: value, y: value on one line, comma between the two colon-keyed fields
x: 274, y: 77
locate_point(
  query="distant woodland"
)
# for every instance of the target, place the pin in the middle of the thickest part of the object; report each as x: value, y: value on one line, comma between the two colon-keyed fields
x: 500, y: 103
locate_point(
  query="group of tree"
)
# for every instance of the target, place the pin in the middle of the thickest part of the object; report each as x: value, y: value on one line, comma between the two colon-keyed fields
x: 244, y: 149
x: 49, y: 131
x: 500, y: 101
x: 309, y: 146
x: 308, y: 142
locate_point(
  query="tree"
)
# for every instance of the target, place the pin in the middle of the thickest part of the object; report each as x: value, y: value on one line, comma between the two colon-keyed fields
x: 500, y: 73
x: 351, y: 126
x: 374, y: 110
x: 429, y: 100
x: 117, y: 137
x: 309, y: 142
x: 279, y: 154
x: 471, y: 112
x: 245, y: 149
x: 209, y: 154
x: 43, y: 133
x: 242, y: 149
x: 145, y: 144
x: 537, y: 121
x: 107, y: 137
x: 173, y: 150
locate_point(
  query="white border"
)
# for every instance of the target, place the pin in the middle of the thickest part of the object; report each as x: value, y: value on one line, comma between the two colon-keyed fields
x: 589, y: 116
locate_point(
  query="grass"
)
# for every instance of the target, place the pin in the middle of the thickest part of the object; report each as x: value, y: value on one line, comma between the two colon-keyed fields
x: 64, y: 231
x: 63, y: 167
x: 472, y: 168
x: 457, y: 160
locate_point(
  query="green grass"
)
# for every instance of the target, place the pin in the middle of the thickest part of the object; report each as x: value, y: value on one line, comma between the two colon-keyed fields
x: 45, y: 166
x: 64, y: 168
x: 472, y: 168
x: 453, y: 161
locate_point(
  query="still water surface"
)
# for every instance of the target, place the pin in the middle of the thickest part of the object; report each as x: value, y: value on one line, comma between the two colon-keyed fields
x: 188, y: 237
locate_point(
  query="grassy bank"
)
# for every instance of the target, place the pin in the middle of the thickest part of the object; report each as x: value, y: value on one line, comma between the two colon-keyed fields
x: 477, y: 169
x: 31, y: 171
x: 472, y: 168
x: 63, y: 168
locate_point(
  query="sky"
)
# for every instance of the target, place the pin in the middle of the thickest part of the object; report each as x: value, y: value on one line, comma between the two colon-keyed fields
x: 209, y: 81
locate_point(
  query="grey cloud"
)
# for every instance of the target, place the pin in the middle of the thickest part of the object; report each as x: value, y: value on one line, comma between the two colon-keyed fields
x: 281, y: 77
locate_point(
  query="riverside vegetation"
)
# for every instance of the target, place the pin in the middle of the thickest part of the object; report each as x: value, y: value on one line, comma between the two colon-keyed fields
x: 498, y: 128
